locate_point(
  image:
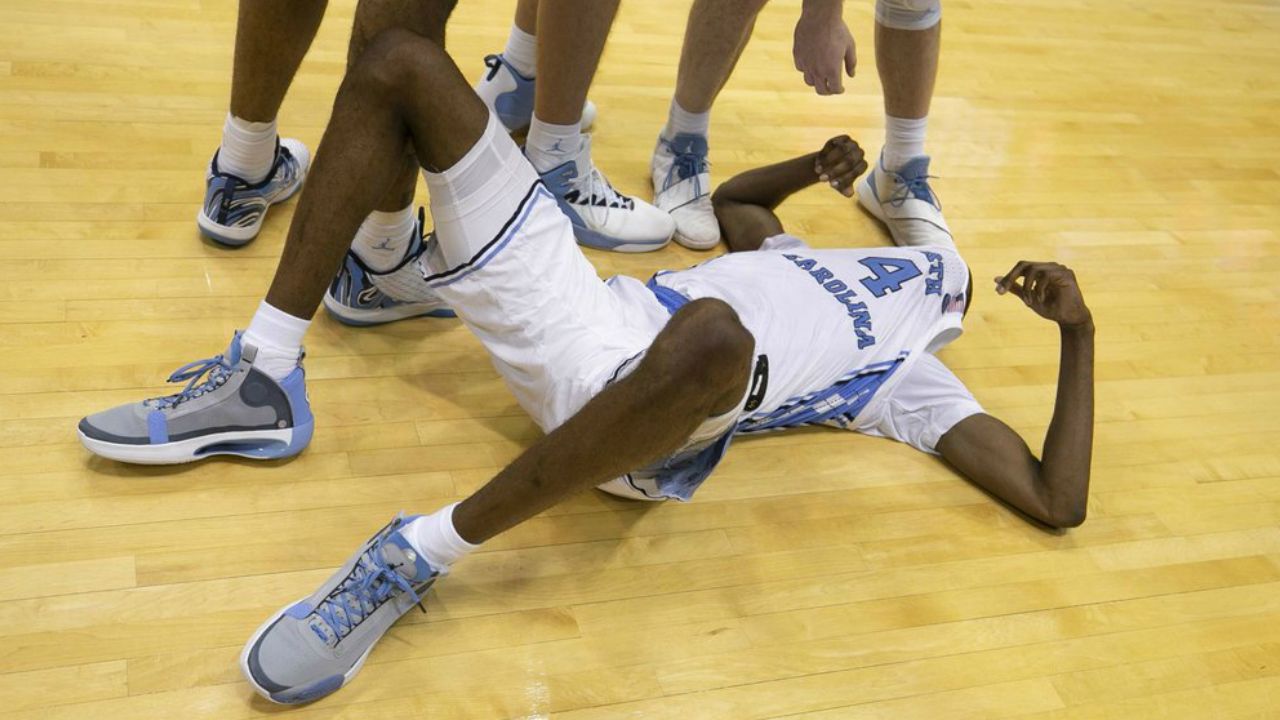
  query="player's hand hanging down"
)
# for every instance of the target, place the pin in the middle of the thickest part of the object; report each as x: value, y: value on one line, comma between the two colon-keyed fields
x: 1048, y: 288
x: 839, y: 163
x: 822, y: 44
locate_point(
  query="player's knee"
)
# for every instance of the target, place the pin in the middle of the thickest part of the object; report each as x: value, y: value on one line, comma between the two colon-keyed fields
x: 395, y: 61
x: 715, y: 347
x: 374, y: 17
x: 909, y: 14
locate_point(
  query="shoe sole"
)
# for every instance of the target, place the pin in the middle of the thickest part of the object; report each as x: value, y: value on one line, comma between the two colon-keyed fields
x: 359, y: 317
x: 686, y: 241
x: 235, y: 237
x: 257, y: 635
x: 592, y: 239
x: 253, y: 444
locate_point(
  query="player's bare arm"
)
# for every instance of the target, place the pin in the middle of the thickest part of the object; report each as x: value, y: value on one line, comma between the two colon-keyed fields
x: 744, y: 205
x: 1053, y: 489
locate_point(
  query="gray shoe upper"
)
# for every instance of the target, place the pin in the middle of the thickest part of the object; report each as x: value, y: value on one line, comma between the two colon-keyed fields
x: 314, y: 645
x: 225, y: 393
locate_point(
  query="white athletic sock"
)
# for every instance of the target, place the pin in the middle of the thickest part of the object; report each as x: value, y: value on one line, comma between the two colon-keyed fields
x: 548, y: 146
x: 248, y: 148
x: 522, y: 52
x: 680, y: 120
x: 903, y: 140
x: 278, y: 337
x: 436, y: 539
x: 384, y: 238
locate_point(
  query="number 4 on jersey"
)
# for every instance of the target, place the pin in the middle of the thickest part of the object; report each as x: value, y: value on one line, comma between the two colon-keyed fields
x: 888, y: 274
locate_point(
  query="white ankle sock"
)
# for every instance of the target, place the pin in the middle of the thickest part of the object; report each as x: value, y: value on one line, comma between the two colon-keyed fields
x: 680, y: 120
x: 522, y: 52
x: 384, y: 238
x: 903, y: 140
x: 436, y: 539
x: 278, y: 337
x: 248, y: 148
x: 548, y: 146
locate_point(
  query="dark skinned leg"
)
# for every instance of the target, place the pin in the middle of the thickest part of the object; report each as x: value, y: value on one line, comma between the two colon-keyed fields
x: 571, y: 37
x: 697, y: 367
x: 427, y: 19
x: 272, y: 36
x: 360, y: 155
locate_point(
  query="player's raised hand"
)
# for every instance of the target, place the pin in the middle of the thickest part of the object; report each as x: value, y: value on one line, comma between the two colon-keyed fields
x: 839, y: 163
x: 1048, y: 288
x: 822, y: 45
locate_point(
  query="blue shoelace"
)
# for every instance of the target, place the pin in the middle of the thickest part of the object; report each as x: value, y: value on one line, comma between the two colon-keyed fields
x: 214, y: 371
x: 371, y: 583
x: 917, y: 187
x: 686, y: 165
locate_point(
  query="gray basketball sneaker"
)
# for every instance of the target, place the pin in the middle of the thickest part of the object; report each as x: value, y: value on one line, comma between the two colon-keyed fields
x: 316, y: 645
x: 228, y: 407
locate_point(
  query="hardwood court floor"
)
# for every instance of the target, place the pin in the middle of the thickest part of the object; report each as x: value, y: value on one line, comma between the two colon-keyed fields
x: 820, y: 574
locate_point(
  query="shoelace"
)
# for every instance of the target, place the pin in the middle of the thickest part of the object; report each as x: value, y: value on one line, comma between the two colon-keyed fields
x: 371, y: 583
x: 686, y: 165
x: 217, y: 370
x: 917, y: 186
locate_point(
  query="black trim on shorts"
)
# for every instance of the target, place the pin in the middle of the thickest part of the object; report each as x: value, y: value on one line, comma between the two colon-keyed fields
x: 506, y: 226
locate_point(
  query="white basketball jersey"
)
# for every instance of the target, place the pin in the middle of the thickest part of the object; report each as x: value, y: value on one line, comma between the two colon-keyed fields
x: 834, y: 328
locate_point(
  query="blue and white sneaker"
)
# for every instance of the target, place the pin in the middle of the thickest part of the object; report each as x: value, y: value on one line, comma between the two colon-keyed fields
x: 228, y: 407
x: 682, y: 186
x: 510, y: 96
x: 362, y: 296
x: 234, y: 209
x: 602, y: 217
x: 905, y: 203
x: 315, y: 646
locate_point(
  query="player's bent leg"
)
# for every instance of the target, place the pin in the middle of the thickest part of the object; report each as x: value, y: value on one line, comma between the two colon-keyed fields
x: 364, y: 292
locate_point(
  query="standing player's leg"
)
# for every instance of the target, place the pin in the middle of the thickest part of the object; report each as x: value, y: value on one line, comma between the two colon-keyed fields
x: 714, y: 38
x: 508, y: 85
x: 251, y: 400
x: 252, y: 170
x: 908, y: 39
x: 570, y: 38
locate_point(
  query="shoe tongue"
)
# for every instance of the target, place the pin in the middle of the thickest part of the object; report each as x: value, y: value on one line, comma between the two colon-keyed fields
x: 689, y: 143
x: 582, y: 161
x: 916, y: 167
x: 234, y: 350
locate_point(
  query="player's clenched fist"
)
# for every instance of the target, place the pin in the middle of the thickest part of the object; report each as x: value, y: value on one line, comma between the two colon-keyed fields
x: 839, y: 163
x: 1048, y: 288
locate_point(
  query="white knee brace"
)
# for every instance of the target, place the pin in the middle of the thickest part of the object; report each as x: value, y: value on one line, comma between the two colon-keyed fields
x: 909, y: 14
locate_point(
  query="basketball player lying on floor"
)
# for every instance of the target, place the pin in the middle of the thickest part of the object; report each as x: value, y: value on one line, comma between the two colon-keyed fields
x: 639, y: 387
